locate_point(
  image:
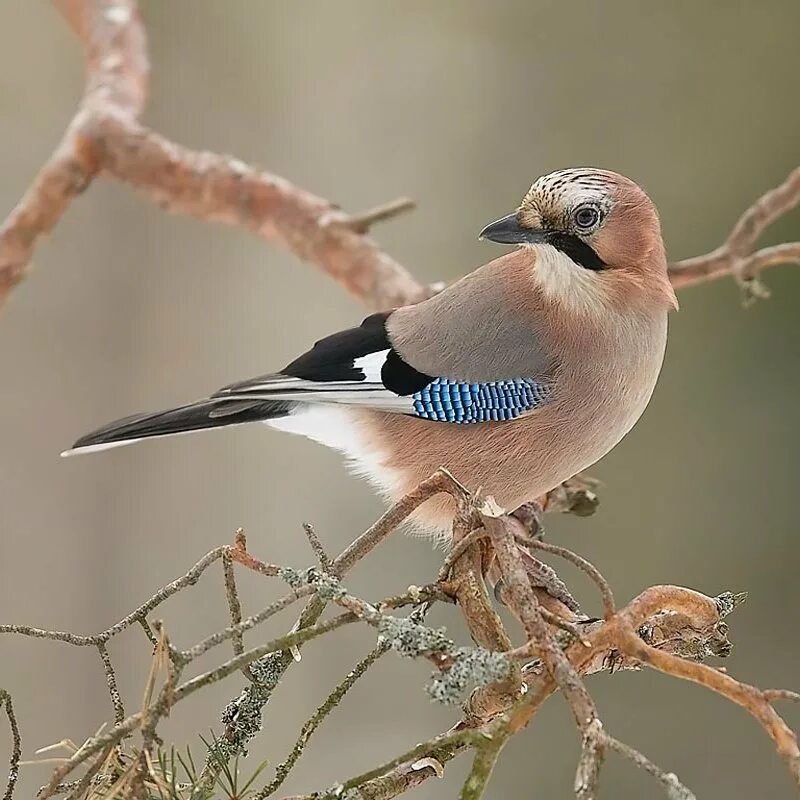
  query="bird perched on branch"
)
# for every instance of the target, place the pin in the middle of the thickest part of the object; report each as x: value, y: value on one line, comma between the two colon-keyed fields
x: 515, y: 378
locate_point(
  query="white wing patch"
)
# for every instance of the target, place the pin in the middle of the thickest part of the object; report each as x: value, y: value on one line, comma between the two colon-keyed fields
x: 371, y: 365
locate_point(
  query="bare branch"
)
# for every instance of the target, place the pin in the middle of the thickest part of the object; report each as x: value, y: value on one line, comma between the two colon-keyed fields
x: 644, y: 632
x: 105, y: 137
x: 486, y: 754
x: 317, y: 547
x: 609, y: 606
x: 440, y: 481
x: 595, y: 744
x: 673, y: 788
x: 218, y: 188
x: 453, y: 739
x: 773, y: 695
x: 361, y: 223
x: 16, y: 745
x: 334, y: 698
x: 526, y: 607
x: 749, y: 697
x: 737, y: 255
x: 116, y: 82
x: 111, y: 681
x: 234, y: 607
x: 189, y: 579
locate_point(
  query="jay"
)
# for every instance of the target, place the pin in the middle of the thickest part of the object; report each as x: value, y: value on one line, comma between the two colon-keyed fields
x: 514, y: 378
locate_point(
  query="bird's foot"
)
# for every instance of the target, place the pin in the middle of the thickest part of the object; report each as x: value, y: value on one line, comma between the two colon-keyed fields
x: 531, y: 515
x: 554, y: 592
x: 543, y: 576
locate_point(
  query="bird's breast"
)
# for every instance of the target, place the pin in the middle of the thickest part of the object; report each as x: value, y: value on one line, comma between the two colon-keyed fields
x: 605, y: 384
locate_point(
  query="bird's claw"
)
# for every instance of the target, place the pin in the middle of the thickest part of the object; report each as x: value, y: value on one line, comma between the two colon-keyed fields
x: 531, y: 515
x: 544, y: 577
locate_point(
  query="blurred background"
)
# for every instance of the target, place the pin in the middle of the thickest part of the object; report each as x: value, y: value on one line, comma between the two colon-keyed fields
x: 459, y: 105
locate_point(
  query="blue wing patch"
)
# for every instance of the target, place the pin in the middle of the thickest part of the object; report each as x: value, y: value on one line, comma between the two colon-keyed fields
x: 444, y: 400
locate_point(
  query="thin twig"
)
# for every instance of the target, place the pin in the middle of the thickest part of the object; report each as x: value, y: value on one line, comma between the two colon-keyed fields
x: 317, y: 547
x: 458, y: 549
x: 737, y: 255
x: 148, y: 631
x: 189, y: 579
x: 16, y: 744
x: 362, y: 222
x: 453, y: 739
x: 334, y: 698
x: 111, y: 681
x: 486, y: 755
x: 440, y: 481
x: 774, y: 695
x: 235, y: 610
x: 251, y: 622
x: 749, y: 697
x: 78, y: 788
x: 673, y: 788
x: 557, y: 621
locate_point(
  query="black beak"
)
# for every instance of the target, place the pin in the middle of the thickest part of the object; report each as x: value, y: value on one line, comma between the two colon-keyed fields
x: 508, y: 231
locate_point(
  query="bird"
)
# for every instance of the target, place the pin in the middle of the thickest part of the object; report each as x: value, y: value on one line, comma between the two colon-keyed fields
x: 514, y: 378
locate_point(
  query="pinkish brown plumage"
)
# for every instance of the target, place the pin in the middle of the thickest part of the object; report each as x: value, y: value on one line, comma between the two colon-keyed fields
x: 526, y: 371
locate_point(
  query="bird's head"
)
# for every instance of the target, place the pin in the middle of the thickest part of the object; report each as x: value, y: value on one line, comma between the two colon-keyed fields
x: 592, y: 228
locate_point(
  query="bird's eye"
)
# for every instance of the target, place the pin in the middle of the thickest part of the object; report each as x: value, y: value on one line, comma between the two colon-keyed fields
x: 586, y: 217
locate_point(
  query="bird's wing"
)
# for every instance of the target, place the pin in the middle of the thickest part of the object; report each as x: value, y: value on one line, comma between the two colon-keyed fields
x: 360, y: 367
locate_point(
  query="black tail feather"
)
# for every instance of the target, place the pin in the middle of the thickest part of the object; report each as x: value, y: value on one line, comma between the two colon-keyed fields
x: 193, y: 417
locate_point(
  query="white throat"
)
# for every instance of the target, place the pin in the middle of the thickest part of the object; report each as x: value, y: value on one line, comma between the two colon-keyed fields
x: 565, y: 282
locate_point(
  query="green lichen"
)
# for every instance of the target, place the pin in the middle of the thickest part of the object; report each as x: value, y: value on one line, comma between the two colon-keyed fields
x: 412, y: 640
x: 471, y: 668
x: 327, y: 586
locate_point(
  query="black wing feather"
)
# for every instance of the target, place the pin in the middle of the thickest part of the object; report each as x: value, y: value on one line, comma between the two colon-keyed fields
x: 332, y: 358
x: 192, y: 417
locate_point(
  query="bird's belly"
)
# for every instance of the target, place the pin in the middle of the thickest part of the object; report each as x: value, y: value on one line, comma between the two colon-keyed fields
x: 342, y: 429
x: 515, y: 461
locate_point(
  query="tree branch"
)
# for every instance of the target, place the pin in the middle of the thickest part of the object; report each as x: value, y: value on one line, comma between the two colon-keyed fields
x: 116, y: 83
x: 737, y: 255
x: 652, y: 630
x: 106, y: 138
x: 16, y: 745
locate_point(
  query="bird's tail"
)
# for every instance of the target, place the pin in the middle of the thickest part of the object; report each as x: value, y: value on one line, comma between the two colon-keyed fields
x: 203, y: 415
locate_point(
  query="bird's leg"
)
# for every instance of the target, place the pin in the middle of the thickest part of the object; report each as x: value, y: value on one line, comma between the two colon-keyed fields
x: 531, y: 515
x: 540, y: 575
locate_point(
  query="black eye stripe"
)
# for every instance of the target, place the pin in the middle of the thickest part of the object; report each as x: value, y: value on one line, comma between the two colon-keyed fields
x: 574, y: 247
